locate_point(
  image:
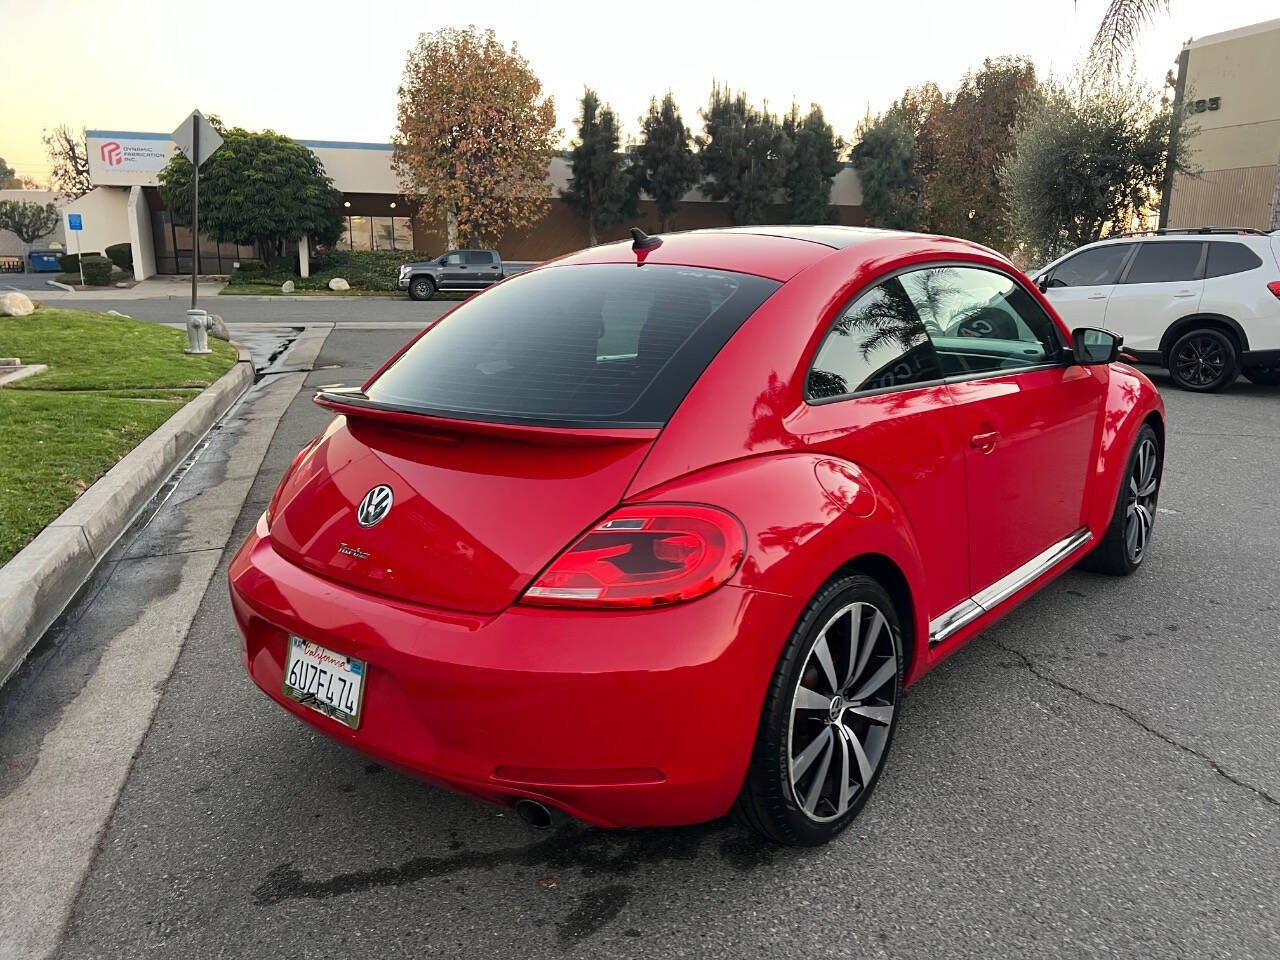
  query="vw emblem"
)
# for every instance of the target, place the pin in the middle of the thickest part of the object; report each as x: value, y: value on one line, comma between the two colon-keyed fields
x: 375, y: 505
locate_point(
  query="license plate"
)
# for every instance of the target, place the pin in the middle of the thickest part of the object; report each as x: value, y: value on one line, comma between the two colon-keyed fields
x: 325, y: 681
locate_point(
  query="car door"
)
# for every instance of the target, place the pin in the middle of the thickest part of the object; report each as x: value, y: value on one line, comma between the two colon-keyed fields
x: 876, y: 398
x: 482, y: 267
x: 454, y: 272
x: 1026, y: 415
x: 1080, y: 285
x: 1159, y: 286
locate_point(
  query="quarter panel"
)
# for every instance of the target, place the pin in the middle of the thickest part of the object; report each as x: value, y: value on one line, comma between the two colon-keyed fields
x: 806, y: 515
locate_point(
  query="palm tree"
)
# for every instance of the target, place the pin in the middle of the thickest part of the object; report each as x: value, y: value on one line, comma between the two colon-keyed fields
x: 1119, y: 29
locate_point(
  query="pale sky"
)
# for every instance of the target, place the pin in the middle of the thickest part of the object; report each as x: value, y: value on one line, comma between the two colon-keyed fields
x: 328, y: 71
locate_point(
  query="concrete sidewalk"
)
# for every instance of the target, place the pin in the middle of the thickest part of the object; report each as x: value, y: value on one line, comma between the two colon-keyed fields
x: 154, y: 288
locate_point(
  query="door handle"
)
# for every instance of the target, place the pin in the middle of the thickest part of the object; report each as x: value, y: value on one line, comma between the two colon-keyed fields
x: 986, y: 442
x: 1097, y: 296
x: 1184, y: 293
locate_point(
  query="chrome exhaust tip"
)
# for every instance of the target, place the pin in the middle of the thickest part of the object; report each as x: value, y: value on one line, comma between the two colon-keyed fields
x: 535, y: 814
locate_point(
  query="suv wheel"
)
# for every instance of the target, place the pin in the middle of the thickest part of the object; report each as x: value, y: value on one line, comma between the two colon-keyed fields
x: 828, y: 717
x: 421, y: 288
x: 1204, y: 360
x: 1264, y: 376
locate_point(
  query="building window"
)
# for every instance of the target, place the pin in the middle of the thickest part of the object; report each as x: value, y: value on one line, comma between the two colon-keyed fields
x: 403, y: 233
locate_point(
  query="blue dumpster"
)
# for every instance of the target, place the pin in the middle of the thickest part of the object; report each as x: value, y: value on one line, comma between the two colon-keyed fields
x: 44, y: 261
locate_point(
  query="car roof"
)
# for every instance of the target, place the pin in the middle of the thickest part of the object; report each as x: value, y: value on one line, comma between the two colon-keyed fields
x: 778, y: 252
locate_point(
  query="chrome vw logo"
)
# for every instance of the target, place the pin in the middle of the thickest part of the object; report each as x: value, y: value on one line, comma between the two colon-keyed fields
x: 375, y: 505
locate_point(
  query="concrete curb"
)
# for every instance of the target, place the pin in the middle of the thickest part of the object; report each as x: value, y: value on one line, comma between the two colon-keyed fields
x: 39, y: 582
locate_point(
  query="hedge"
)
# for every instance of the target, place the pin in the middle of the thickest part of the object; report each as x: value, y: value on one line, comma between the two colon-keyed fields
x: 70, y: 262
x: 97, y: 270
x: 363, y: 269
x: 121, y: 254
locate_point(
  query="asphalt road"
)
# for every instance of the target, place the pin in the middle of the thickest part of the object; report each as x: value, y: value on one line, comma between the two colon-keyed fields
x: 1098, y: 775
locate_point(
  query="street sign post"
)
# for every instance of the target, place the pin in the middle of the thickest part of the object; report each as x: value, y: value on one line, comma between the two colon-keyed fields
x: 76, y: 223
x: 198, y: 141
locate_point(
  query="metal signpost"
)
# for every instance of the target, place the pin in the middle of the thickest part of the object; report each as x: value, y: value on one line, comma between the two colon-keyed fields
x: 76, y: 224
x: 198, y: 141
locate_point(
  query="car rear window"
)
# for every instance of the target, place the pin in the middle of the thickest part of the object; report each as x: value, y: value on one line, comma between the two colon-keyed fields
x: 1226, y: 258
x: 479, y: 257
x: 583, y: 344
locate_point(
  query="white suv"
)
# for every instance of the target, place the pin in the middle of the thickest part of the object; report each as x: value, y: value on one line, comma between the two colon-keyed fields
x: 1203, y: 303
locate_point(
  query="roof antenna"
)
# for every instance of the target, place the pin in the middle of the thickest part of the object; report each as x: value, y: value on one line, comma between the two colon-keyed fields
x: 642, y: 241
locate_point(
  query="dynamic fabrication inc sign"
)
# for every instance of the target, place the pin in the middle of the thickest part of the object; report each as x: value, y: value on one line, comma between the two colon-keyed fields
x: 111, y: 155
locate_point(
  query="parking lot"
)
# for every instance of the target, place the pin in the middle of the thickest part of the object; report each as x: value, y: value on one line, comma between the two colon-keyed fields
x: 1099, y: 775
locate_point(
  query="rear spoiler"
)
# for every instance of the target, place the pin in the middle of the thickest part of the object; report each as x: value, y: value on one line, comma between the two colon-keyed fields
x: 352, y: 402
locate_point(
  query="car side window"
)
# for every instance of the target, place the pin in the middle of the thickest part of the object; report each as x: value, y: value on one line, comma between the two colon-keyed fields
x: 453, y: 258
x: 479, y: 258
x: 1091, y: 268
x: 981, y: 321
x: 1165, y: 262
x: 878, y: 341
x: 1227, y: 258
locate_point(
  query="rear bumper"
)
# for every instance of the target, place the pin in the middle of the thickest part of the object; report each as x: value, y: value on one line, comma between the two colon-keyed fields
x: 403, y: 283
x: 621, y: 719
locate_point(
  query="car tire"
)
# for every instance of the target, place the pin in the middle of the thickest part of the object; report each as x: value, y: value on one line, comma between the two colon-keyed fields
x: 421, y: 288
x: 1128, y: 535
x: 792, y: 793
x: 1204, y: 360
x: 1263, y: 376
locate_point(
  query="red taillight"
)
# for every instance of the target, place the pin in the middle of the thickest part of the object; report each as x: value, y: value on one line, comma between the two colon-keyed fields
x: 275, y: 497
x: 1274, y: 287
x: 644, y: 556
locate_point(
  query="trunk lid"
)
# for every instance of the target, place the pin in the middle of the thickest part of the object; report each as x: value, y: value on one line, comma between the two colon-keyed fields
x: 475, y: 514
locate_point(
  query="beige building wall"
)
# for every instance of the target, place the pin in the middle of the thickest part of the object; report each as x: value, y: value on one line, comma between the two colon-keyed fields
x: 104, y: 211
x: 1235, y: 77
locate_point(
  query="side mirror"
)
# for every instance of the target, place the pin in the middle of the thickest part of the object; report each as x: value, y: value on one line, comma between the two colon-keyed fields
x: 1042, y: 282
x: 1090, y: 346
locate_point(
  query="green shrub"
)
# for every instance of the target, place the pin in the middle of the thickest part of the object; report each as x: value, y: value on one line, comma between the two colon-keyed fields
x: 97, y: 270
x: 248, y: 265
x: 121, y: 254
x: 70, y: 262
x: 363, y: 269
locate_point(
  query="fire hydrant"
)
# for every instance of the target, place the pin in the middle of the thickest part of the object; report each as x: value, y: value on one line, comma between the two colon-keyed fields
x: 198, y: 325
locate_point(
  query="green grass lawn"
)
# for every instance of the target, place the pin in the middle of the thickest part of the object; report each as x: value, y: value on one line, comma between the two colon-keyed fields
x: 111, y: 382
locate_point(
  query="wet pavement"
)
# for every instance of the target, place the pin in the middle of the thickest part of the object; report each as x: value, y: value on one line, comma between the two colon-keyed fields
x: 1098, y: 775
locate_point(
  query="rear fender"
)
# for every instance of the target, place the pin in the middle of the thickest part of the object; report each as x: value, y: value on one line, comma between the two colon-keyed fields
x: 807, y: 516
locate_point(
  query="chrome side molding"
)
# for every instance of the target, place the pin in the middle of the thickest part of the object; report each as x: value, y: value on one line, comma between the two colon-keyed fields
x: 987, y: 600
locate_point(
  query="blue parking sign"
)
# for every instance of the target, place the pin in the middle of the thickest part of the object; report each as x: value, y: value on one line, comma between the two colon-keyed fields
x: 74, y: 221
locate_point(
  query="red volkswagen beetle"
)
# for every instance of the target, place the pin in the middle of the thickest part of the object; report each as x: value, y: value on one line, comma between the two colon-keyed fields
x: 664, y: 528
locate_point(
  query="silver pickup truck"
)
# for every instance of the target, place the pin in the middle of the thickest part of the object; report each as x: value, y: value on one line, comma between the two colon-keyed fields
x: 452, y: 270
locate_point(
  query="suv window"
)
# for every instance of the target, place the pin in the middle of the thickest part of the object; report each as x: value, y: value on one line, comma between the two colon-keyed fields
x: 1226, y: 258
x: 479, y: 258
x: 1165, y: 262
x: 587, y: 344
x: 981, y: 321
x: 1092, y: 268
x: 453, y: 258
x: 877, y: 342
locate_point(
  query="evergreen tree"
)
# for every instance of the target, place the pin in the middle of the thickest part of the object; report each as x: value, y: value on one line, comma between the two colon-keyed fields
x: 885, y: 161
x: 813, y: 160
x: 665, y: 165
x: 599, y: 186
x: 743, y: 155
